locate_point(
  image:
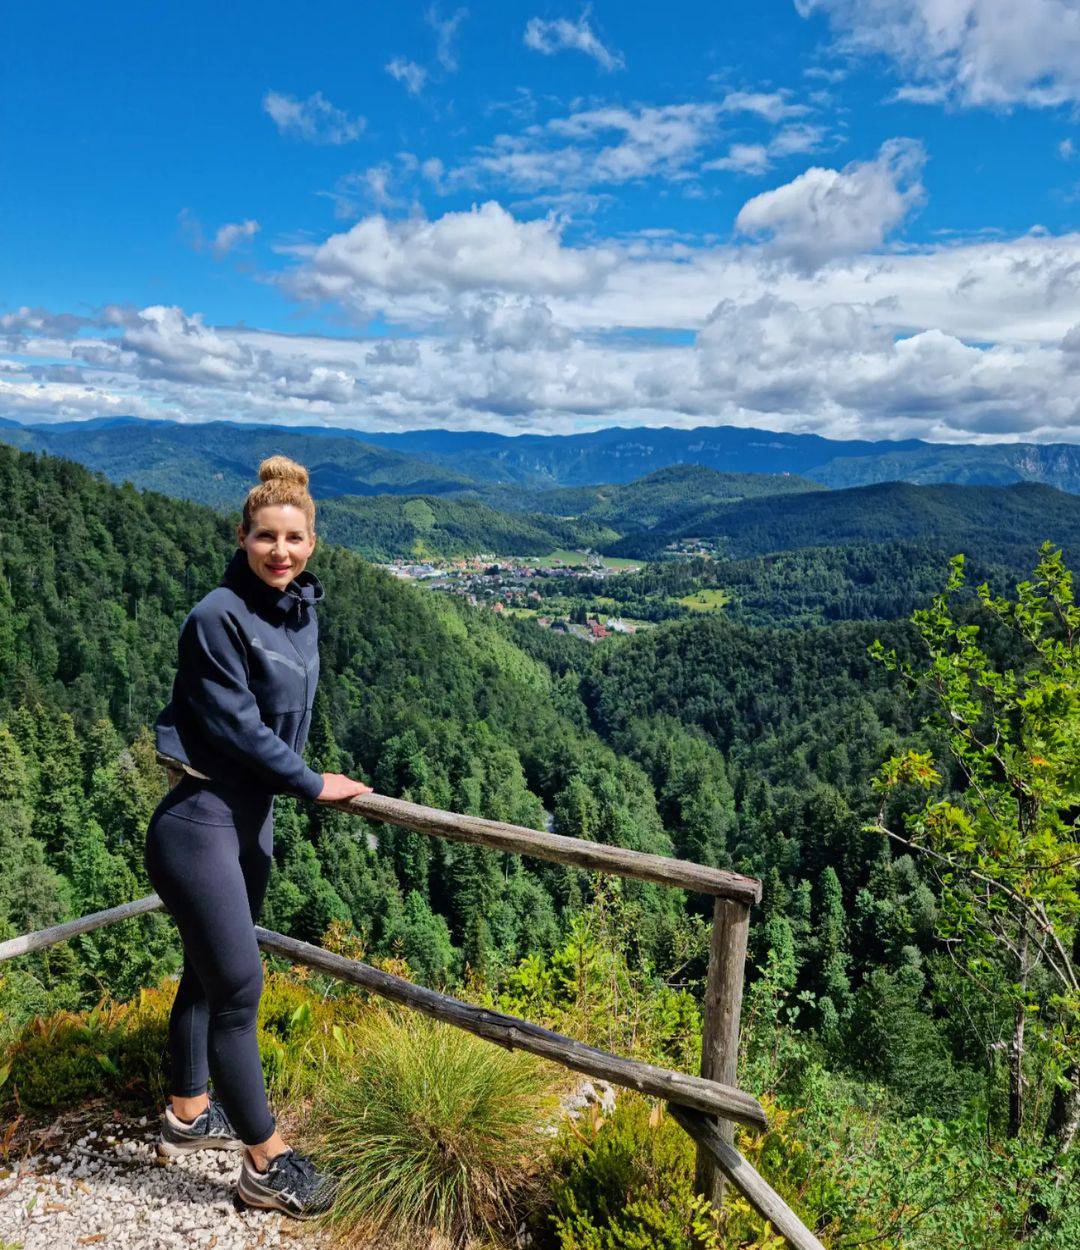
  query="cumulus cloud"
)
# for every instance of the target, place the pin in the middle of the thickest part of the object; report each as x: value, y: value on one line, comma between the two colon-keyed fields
x: 59, y: 401
x: 976, y: 52
x: 505, y: 325
x: 415, y: 267
x: 163, y: 342
x: 39, y: 322
x: 408, y: 73
x: 561, y: 35
x: 314, y: 120
x: 520, y: 323
x: 827, y: 213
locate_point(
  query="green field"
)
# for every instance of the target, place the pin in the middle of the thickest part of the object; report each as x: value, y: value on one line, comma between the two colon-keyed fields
x: 708, y: 600
x: 564, y: 556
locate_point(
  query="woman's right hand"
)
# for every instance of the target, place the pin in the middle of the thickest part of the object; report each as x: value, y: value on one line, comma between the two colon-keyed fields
x: 338, y: 786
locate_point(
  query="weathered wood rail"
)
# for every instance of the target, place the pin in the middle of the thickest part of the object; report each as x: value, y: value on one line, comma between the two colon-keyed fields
x: 706, y: 1106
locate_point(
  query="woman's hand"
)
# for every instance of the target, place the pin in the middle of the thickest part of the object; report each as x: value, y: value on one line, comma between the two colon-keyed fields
x: 338, y: 786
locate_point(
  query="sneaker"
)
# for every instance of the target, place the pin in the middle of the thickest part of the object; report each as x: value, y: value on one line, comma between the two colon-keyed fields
x: 290, y: 1183
x: 211, y: 1130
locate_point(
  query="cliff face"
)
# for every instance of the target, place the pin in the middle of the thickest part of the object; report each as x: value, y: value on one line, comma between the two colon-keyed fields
x: 1054, y: 464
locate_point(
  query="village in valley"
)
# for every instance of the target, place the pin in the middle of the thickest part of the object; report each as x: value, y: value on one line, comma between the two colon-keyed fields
x: 513, y: 585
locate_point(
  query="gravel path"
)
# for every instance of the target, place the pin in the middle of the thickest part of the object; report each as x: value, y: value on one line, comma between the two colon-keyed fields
x: 106, y: 1188
x: 92, y: 1178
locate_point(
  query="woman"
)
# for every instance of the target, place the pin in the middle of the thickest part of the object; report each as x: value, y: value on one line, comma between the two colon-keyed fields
x: 238, y: 720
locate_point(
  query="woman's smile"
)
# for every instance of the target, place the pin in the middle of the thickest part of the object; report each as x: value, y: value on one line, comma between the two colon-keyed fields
x: 278, y: 544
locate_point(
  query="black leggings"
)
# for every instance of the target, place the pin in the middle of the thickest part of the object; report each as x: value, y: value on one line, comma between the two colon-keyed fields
x: 208, y: 853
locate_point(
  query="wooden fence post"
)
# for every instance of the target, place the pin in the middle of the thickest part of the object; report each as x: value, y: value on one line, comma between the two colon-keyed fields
x: 720, y: 1023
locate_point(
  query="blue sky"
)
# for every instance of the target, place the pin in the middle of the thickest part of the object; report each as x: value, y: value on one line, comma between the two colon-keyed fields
x: 849, y: 216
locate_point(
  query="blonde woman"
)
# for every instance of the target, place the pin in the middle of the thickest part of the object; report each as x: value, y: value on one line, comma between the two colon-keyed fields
x: 238, y: 719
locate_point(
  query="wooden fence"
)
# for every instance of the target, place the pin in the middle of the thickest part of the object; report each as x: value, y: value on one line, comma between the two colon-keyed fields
x: 706, y: 1106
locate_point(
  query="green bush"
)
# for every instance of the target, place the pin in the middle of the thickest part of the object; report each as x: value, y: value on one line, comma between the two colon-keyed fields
x: 63, y: 1057
x: 626, y: 1183
x: 429, y: 1128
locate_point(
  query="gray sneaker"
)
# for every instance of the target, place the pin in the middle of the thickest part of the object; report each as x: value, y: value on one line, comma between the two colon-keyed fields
x: 212, y: 1130
x: 290, y: 1183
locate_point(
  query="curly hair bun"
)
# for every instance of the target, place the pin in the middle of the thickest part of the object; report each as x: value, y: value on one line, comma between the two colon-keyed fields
x: 282, y: 469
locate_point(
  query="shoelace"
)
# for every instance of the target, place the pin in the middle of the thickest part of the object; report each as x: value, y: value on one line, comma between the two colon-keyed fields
x: 220, y: 1125
x: 300, y: 1164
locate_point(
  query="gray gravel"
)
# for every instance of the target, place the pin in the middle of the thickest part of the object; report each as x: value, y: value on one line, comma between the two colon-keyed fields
x: 106, y: 1188
x: 109, y: 1190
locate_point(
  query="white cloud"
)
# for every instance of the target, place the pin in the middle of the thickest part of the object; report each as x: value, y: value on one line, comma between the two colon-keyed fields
x: 315, y: 120
x: 231, y: 234
x: 910, y: 93
x: 416, y: 267
x: 823, y: 74
x: 561, y: 34
x: 58, y: 401
x: 758, y: 158
x: 446, y: 29
x: 773, y: 106
x: 827, y: 213
x: 408, y: 73
x: 977, y: 52
x: 164, y: 342
x: 595, y: 146
x: 1066, y: 149
x: 511, y: 328
x: 372, y: 187
x: 522, y: 323
x: 36, y: 322
x: 743, y: 158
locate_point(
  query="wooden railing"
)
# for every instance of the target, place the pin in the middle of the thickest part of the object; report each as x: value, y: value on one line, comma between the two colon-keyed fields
x: 706, y: 1106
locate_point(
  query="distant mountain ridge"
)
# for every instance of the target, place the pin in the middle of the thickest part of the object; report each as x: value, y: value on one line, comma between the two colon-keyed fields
x: 393, y: 461
x: 621, y: 455
x: 215, y: 462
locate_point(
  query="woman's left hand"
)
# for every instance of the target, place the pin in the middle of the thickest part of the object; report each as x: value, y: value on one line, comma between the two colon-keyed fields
x: 337, y: 786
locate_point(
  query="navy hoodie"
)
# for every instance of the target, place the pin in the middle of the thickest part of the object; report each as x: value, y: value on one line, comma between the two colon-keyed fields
x: 245, y: 683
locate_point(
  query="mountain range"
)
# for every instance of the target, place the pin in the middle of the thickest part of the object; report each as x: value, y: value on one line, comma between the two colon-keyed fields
x: 209, y: 462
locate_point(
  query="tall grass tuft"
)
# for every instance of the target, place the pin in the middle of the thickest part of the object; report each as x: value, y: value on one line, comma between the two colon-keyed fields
x: 429, y: 1129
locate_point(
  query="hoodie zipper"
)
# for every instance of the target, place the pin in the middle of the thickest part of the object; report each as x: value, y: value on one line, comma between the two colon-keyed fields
x: 307, y: 678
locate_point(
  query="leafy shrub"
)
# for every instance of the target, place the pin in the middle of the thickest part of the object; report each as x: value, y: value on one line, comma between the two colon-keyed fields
x: 62, y: 1058
x: 626, y: 1183
x: 586, y: 990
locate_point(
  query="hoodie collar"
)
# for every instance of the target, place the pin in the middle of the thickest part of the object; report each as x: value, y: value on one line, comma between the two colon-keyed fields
x: 241, y: 577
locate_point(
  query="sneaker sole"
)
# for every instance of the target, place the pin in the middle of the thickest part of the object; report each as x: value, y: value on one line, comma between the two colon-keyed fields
x: 243, y: 1201
x: 168, y: 1150
x: 240, y: 1205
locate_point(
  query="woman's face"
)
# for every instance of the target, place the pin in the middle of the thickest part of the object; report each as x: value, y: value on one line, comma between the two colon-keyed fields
x: 278, y: 544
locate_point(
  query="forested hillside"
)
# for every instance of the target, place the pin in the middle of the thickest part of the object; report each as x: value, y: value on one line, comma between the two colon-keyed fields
x: 384, y: 527
x: 732, y: 743
x: 658, y: 501
x: 212, y: 462
x: 426, y: 700
x: 989, y: 522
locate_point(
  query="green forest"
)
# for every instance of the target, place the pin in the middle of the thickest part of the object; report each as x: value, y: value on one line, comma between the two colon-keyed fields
x: 852, y: 733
